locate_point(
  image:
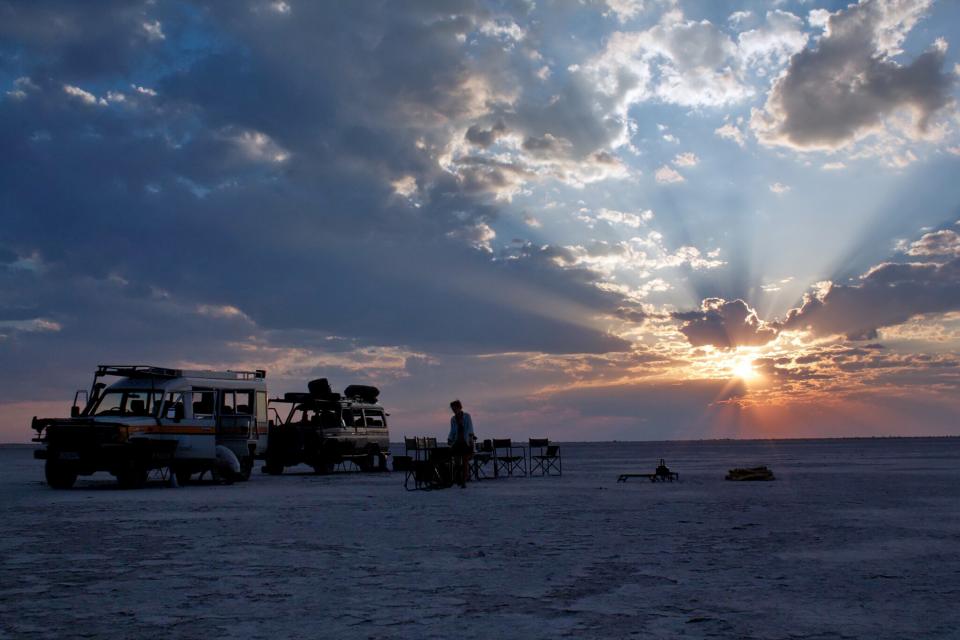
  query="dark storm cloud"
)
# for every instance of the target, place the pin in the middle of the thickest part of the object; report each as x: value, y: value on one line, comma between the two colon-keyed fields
x: 256, y: 167
x: 78, y: 40
x: 887, y: 295
x: 848, y: 82
x: 724, y: 324
x: 485, y: 137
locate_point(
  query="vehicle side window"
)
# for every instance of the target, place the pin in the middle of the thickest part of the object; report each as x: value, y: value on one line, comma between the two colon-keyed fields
x: 173, y: 405
x: 357, y: 418
x: 374, y: 418
x: 110, y: 404
x: 227, y: 403
x: 202, y: 403
x: 244, y: 403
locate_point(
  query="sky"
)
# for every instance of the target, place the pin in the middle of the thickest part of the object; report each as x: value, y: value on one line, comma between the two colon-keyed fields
x: 589, y: 220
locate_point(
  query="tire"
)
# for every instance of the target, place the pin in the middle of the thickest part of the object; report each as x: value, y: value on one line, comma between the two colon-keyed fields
x: 227, y: 477
x: 324, y: 468
x: 371, y: 461
x: 273, y: 468
x: 59, y: 475
x: 133, y: 476
x: 246, y: 468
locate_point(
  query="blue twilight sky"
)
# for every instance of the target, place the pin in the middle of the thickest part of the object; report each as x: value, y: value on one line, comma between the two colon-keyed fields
x: 588, y: 219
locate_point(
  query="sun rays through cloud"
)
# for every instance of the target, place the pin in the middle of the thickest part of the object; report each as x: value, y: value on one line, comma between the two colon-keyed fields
x: 654, y: 219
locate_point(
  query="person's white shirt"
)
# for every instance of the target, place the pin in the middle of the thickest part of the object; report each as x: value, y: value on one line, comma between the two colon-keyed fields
x: 468, y: 434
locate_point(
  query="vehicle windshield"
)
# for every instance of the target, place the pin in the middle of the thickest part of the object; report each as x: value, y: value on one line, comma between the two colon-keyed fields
x: 127, y: 403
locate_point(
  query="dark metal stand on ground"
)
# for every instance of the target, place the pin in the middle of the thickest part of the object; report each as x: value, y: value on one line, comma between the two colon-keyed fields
x: 662, y: 474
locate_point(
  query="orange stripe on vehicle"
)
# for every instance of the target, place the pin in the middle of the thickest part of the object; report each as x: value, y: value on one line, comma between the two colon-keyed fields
x: 178, y: 430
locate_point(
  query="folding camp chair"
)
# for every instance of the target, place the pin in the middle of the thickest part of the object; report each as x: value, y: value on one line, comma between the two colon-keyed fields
x: 429, y: 465
x: 482, y: 461
x: 413, y: 465
x: 545, y: 457
x: 508, y: 457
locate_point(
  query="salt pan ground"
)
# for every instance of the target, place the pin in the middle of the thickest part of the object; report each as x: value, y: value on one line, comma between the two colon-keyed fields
x: 855, y: 539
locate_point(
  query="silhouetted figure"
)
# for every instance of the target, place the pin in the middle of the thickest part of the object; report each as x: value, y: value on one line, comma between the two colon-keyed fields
x: 461, y: 439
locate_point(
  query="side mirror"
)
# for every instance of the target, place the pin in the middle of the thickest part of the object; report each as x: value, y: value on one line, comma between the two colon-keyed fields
x: 74, y: 411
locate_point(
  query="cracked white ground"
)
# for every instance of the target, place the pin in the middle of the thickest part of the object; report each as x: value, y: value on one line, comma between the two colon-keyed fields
x: 855, y: 538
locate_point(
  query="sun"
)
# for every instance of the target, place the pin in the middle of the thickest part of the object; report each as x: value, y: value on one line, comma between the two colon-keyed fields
x: 744, y: 370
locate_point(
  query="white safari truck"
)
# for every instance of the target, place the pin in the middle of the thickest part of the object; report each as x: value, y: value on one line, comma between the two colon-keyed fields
x: 154, y: 418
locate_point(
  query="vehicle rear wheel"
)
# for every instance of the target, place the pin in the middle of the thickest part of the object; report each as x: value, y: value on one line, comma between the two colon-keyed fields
x: 371, y: 461
x: 324, y: 468
x: 133, y: 476
x: 59, y: 475
x: 246, y: 468
x: 273, y: 468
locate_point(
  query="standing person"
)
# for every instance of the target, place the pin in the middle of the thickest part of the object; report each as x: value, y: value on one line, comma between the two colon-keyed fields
x: 461, y: 439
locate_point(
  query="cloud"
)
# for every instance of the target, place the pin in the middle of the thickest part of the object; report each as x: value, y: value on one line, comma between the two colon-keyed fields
x: 84, y: 96
x: 724, y: 325
x: 888, y: 294
x: 677, y: 61
x: 730, y: 132
x: 633, y: 220
x: 773, y: 43
x: 625, y: 10
x: 154, y: 30
x: 258, y: 146
x: 668, y: 175
x: 945, y: 242
x: 276, y: 197
x: 638, y: 256
x: 779, y: 188
x: 686, y: 160
x: 503, y: 29
x: 485, y: 137
x: 847, y: 85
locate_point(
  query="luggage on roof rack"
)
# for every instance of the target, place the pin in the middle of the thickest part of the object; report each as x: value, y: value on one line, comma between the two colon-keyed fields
x: 365, y: 392
x: 319, y: 388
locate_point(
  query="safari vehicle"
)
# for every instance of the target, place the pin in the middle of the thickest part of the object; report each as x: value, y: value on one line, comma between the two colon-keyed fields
x: 155, y: 418
x: 324, y: 429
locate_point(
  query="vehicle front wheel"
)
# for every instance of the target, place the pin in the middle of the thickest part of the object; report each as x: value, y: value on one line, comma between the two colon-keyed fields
x: 59, y: 475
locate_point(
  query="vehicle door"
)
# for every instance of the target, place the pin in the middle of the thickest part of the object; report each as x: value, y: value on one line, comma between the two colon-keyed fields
x: 234, y: 414
x: 359, y: 428
x: 191, y: 415
x: 375, y: 427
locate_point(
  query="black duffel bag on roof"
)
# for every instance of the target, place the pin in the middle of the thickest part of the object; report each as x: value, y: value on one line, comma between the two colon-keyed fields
x: 362, y: 391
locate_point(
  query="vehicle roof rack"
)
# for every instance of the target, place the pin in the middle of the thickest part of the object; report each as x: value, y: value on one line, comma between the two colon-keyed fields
x: 148, y: 371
